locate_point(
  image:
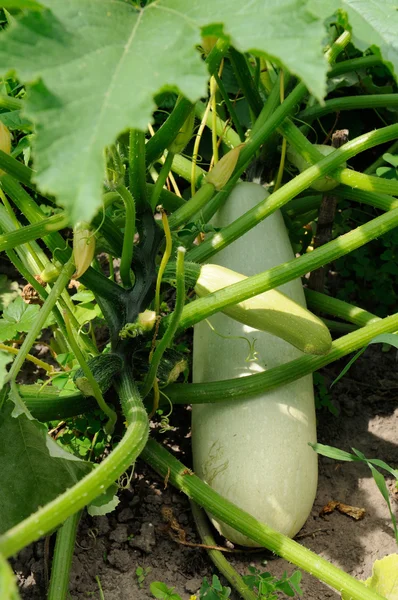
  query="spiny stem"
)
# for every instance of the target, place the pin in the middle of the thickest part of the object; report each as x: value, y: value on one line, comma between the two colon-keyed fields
x: 164, y: 261
x: 44, y: 313
x: 236, y: 229
x: 172, y: 325
x: 128, y: 238
x: 92, y: 485
x: 217, y: 557
x: 247, y: 387
x: 137, y: 167
x: 62, y: 561
x: 110, y: 413
x: 161, y: 180
x: 166, y: 465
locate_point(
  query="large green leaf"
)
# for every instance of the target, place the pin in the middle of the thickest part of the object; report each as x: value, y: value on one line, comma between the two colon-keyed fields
x: 95, y: 66
x: 34, y: 469
x: 5, y: 359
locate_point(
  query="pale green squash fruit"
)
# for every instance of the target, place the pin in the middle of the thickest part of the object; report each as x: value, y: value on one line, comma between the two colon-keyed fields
x: 255, y: 452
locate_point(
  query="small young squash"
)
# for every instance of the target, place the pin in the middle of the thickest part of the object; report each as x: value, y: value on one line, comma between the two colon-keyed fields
x: 255, y: 451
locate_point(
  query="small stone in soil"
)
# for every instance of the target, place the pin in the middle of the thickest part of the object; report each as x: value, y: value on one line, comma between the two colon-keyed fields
x: 146, y: 539
x: 125, y: 515
x: 119, y: 534
x: 121, y: 560
x: 193, y: 585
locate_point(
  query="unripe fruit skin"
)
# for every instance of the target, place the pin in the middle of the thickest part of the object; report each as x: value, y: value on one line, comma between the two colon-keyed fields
x: 324, y: 184
x: 255, y: 451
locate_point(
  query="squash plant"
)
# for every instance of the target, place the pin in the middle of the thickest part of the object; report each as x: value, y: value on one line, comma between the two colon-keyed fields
x: 83, y: 175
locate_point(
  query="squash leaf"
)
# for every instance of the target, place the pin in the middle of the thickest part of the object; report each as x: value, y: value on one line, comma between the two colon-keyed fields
x: 384, y: 578
x: 44, y: 470
x: 94, y: 67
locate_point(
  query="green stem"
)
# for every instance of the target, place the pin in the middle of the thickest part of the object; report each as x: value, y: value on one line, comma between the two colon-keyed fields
x: 339, y: 308
x: 49, y: 404
x: 346, y: 176
x: 245, y: 81
x: 16, y: 169
x: 204, y: 307
x: 137, y: 167
x: 193, y: 206
x: 217, y: 557
x: 42, y: 317
x: 110, y: 413
x: 161, y: 180
x: 229, y: 136
x: 170, y: 128
x: 230, y: 108
x: 354, y: 64
x: 165, y: 464
x: 172, y: 325
x: 337, y: 327
x: 269, y: 121
x: 290, y: 190
x: 183, y: 167
x: 348, y: 103
x: 246, y: 387
x: 128, y: 238
x: 92, y: 485
x: 32, y: 232
x: 10, y: 102
x: 62, y: 561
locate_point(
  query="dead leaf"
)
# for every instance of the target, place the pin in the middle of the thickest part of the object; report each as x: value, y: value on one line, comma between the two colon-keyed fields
x: 354, y: 512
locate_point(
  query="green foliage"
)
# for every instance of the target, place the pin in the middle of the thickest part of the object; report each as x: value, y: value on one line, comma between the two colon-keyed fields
x: 384, y: 579
x: 18, y: 317
x: 141, y: 573
x: 9, y: 290
x: 32, y: 465
x: 322, y: 396
x: 268, y: 587
x: 372, y: 463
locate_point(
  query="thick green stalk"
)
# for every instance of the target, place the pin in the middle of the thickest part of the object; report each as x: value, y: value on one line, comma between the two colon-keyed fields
x: 161, y: 180
x: 166, y: 465
x: 194, y: 205
x: 346, y: 176
x: 246, y: 387
x: 249, y: 149
x: 137, y: 167
x: 183, y: 167
x: 10, y: 102
x: 48, y: 404
x: 128, y: 237
x: 245, y: 80
x: 291, y: 189
x: 204, y: 307
x: 339, y: 308
x: 42, y: 317
x: 170, y: 128
x: 168, y: 336
x: 32, y: 232
x: 16, y: 169
x: 107, y: 410
x: 348, y: 103
x: 225, y: 131
x: 62, y: 561
x: 230, y: 107
x: 217, y: 557
x: 92, y: 485
x: 354, y: 64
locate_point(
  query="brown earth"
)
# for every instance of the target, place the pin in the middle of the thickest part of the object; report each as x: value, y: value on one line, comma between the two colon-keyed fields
x: 112, y: 547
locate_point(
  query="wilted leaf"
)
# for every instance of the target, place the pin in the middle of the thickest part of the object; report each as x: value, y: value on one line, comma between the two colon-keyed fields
x: 354, y: 512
